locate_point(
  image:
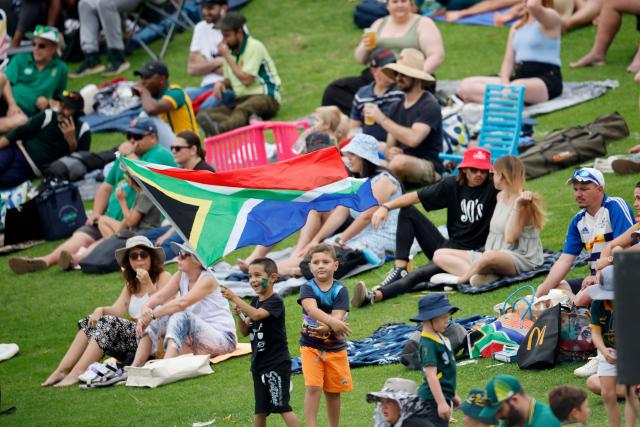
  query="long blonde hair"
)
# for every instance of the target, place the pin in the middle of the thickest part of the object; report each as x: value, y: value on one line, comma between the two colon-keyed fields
x: 525, y: 17
x: 512, y: 170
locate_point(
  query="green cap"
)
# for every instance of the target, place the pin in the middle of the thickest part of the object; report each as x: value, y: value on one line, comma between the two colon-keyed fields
x: 47, y: 33
x: 499, y: 389
x: 473, y: 405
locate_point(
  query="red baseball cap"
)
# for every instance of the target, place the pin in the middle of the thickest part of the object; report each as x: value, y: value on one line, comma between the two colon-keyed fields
x: 476, y: 157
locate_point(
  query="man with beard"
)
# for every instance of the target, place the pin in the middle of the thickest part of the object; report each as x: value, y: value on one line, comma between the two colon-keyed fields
x: 414, y: 126
x: 204, y: 58
x: 510, y: 403
x: 250, y: 72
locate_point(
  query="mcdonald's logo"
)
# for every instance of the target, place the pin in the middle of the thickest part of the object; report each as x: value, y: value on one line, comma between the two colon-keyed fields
x: 540, y: 334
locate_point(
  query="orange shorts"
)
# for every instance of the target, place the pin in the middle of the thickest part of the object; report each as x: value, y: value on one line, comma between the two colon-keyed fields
x: 328, y: 370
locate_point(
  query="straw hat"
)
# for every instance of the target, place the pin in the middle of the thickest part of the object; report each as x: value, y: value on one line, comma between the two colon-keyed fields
x: 140, y: 241
x: 410, y: 63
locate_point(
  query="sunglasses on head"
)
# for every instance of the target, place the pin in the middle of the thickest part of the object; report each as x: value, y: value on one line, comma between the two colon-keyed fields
x: 178, y: 148
x: 183, y: 254
x: 138, y: 255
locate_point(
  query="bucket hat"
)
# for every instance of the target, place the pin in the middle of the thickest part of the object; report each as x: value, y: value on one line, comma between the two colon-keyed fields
x: 365, y: 146
x: 433, y: 305
x: 478, y: 158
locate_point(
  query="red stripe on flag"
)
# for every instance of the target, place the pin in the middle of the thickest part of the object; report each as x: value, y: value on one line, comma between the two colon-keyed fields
x: 302, y: 173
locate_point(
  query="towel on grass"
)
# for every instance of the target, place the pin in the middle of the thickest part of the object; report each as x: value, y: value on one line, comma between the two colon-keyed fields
x: 485, y: 19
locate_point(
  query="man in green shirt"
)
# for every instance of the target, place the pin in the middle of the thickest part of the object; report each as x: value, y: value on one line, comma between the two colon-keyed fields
x: 250, y: 72
x: 31, y: 79
x: 143, y: 144
x: 509, y: 402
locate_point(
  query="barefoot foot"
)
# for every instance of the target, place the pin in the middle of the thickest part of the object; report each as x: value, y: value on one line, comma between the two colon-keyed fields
x: 67, y: 381
x: 243, y: 265
x: 589, y: 60
x: 54, y: 378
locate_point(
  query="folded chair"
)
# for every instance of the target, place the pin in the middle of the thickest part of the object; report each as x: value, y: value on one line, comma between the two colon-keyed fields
x: 501, y: 122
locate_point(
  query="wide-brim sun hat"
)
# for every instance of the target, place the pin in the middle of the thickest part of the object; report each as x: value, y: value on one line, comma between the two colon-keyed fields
x: 476, y: 157
x: 138, y: 241
x: 392, y: 389
x: 603, y: 290
x: 364, y: 146
x: 433, y: 305
x: 410, y: 62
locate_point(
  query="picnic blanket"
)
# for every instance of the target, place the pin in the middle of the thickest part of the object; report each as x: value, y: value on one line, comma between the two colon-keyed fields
x: 383, y: 347
x: 573, y: 93
x: 485, y: 19
x: 549, y: 259
x: 242, y: 349
x: 115, y: 123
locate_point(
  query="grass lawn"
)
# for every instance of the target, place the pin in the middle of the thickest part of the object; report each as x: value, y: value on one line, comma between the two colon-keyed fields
x: 312, y: 43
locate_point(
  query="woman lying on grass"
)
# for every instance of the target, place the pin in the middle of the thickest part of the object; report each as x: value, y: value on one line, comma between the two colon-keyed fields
x: 106, y: 331
x: 513, y: 245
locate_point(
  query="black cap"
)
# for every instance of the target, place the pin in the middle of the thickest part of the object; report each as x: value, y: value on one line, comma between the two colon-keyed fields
x: 232, y: 21
x: 204, y: 3
x: 73, y: 100
x: 151, y: 68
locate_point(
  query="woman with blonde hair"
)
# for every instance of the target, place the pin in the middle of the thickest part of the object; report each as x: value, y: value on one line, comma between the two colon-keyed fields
x: 513, y: 245
x: 531, y: 59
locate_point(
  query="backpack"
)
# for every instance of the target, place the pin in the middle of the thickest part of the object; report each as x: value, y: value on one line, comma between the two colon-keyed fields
x: 76, y: 165
x: 410, y: 358
x: 571, y: 146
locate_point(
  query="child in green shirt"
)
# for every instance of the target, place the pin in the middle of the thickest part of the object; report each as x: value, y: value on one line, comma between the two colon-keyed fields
x: 437, y: 359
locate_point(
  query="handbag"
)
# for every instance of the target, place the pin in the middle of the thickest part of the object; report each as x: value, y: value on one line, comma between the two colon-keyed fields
x: 348, y: 260
x: 60, y: 210
x: 516, y: 318
x: 22, y: 224
x: 575, y: 334
x: 538, y: 350
x: 158, y: 372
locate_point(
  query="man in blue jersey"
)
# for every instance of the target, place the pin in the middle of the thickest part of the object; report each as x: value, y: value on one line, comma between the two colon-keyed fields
x: 601, y: 219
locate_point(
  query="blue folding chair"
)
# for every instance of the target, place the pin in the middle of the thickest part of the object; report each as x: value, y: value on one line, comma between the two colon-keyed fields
x: 501, y: 122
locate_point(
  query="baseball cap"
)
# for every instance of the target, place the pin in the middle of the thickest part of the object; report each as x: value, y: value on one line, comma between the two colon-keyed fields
x: 47, y: 33
x: 142, y: 126
x: 587, y: 175
x: 232, y: 21
x: 73, y: 100
x: 214, y: 2
x: 381, y: 57
x: 499, y: 389
x: 473, y: 405
x: 151, y: 68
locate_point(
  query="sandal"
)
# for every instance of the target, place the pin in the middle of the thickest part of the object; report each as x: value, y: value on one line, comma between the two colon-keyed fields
x: 20, y: 265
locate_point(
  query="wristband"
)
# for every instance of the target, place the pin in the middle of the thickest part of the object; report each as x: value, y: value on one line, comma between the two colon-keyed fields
x: 386, y: 207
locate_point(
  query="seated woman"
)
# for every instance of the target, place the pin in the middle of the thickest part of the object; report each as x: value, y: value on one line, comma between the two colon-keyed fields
x: 188, y: 154
x: 106, y: 331
x: 402, y: 29
x: 198, y: 312
x: 362, y: 153
x: 513, y: 245
x: 532, y: 57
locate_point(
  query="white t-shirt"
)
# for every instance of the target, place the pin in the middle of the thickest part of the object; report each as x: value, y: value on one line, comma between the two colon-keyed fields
x: 205, y: 41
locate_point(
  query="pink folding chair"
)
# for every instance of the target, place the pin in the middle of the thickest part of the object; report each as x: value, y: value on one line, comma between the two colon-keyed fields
x: 285, y: 135
x: 237, y: 149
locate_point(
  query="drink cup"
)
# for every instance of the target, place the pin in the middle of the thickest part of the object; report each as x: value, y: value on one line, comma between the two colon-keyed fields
x: 371, y: 38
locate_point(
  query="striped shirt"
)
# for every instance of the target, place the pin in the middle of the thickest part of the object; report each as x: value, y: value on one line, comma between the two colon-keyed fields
x: 181, y: 117
x: 253, y: 58
x: 365, y: 95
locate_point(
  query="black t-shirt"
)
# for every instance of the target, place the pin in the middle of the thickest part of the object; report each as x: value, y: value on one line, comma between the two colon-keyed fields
x: 469, y: 209
x: 268, y: 336
x: 425, y: 110
x: 203, y: 166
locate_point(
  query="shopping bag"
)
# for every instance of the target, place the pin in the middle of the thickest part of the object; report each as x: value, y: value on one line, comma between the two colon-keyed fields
x: 575, y: 334
x: 538, y: 350
x: 166, y: 371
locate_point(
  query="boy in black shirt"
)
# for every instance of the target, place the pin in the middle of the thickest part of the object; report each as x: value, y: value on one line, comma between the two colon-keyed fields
x: 264, y: 321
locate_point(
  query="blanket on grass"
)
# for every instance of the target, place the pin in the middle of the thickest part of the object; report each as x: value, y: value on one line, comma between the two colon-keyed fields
x: 485, y: 19
x: 549, y: 259
x: 573, y: 93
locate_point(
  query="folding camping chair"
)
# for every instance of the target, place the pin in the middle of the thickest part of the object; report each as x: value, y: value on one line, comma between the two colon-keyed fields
x: 501, y: 122
x: 285, y: 135
x: 239, y: 148
x: 178, y: 18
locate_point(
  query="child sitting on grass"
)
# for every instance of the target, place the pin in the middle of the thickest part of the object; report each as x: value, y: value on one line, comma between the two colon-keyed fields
x: 323, y: 342
x: 437, y: 359
x: 265, y: 325
x: 603, y: 335
x: 570, y: 405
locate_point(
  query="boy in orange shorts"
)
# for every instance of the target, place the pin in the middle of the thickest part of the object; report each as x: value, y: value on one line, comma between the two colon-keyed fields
x: 323, y: 342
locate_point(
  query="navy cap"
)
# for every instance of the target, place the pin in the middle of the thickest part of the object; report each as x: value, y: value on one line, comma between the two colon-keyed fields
x: 142, y: 126
x: 381, y: 57
x: 433, y: 305
x: 214, y: 3
x: 152, y: 68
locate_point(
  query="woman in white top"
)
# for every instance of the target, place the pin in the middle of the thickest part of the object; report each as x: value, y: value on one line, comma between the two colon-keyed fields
x: 105, y: 331
x: 190, y: 306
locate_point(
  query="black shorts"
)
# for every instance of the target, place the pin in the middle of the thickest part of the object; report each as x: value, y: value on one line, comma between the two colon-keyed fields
x: 91, y: 230
x: 271, y: 390
x: 550, y: 74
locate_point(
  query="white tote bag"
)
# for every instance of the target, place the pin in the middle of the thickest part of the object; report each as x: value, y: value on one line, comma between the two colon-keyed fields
x: 165, y: 371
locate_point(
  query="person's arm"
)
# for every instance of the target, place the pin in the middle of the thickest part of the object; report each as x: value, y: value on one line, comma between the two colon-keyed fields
x: 160, y: 240
x: 12, y: 106
x: 163, y: 294
x: 444, y: 410
x: 204, y: 286
x: 598, y: 342
x: 339, y: 326
x: 430, y: 41
x: 28, y: 130
x: 508, y: 61
x: 363, y: 50
x: 409, y: 136
x: 335, y: 220
x: 152, y: 106
x: 519, y: 218
x: 253, y: 312
x: 559, y: 270
x: 100, y: 202
x: 549, y: 19
x: 623, y: 241
x: 68, y: 129
x: 118, y: 308
x: 481, y: 7
x: 382, y: 212
x: 244, y: 74
x: 198, y: 65
x: 53, y: 12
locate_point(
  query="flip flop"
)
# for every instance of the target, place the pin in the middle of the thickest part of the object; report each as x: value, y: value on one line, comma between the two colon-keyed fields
x: 65, y: 261
x: 20, y: 265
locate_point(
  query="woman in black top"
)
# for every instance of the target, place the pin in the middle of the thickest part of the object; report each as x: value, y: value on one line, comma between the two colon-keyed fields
x: 469, y: 198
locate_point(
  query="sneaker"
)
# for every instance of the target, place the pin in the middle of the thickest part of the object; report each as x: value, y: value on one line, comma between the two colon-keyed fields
x: 207, y: 124
x: 482, y: 279
x: 90, y: 65
x: 591, y: 368
x: 117, y: 63
x: 362, y: 296
x: 20, y: 265
x: 444, y: 279
x: 625, y: 166
x: 394, y: 275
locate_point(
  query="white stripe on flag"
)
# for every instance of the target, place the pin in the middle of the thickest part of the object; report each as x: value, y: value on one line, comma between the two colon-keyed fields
x: 334, y: 187
x: 220, y: 189
x: 238, y: 227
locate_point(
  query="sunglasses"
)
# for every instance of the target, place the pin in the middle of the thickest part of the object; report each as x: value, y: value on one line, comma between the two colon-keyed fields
x: 135, y: 136
x: 40, y: 45
x: 476, y: 170
x: 183, y: 254
x: 138, y: 255
x: 178, y: 148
